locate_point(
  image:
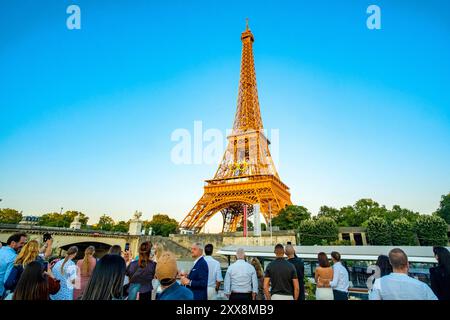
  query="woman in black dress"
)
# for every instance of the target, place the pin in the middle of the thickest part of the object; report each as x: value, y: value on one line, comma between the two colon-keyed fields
x: 440, y: 275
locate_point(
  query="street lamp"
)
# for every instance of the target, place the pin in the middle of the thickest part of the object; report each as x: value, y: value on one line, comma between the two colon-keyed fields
x: 270, y: 219
x: 60, y: 212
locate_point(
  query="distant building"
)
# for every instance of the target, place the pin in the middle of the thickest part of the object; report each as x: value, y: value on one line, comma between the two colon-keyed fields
x: 29, y: 220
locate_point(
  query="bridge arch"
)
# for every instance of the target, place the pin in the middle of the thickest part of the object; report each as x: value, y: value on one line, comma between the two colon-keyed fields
x: 101, y: 248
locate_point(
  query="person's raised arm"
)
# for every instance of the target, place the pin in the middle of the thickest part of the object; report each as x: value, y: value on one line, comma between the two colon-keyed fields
x: 48, y: 248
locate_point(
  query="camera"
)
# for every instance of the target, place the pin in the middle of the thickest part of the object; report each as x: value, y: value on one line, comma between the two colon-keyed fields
x: 47, y: 236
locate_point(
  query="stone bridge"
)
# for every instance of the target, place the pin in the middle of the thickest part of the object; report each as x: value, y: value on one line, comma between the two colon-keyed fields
x: 63, y: 238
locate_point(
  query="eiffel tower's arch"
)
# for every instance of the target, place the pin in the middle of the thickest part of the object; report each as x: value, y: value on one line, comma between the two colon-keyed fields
x: 231, y: 210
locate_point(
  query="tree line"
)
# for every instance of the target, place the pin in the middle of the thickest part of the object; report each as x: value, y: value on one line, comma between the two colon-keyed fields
x: 160, y: 224
x: 396, y: 226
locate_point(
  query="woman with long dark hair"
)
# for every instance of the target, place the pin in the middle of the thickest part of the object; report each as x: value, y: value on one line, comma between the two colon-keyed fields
x: 141, y: 274
x: 106, y: 282
x: 440, y: 275
x: 85, y: 267
x: 33, y: 283
x: 65, y: 271
x: 384, y: 265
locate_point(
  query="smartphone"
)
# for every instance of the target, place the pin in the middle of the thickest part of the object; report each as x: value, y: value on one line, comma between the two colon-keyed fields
x: 289, y: 242
x: 127, y: 247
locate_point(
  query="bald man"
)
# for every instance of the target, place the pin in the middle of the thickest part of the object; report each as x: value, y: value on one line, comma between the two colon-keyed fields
x: 299, y: 267
x: 399, y: 285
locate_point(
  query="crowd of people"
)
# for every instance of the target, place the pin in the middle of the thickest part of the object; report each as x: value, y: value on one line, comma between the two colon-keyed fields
x: 26, y: 273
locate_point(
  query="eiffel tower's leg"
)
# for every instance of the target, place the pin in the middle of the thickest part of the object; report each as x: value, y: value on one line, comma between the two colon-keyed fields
x: 233, y: 216
x: 191, y: 221
x: 229, y: 216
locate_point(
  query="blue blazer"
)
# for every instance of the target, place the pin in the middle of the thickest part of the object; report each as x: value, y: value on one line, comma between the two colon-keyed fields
x: 199, y: 280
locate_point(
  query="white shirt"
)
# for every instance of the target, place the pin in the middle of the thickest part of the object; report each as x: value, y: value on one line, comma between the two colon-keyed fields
x: 214, y: 271
x: 400, y: 286
x: 241, y: 278
x: 340, y: 278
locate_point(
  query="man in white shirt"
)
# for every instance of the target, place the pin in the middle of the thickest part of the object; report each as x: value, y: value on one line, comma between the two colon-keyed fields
x: 340, y: 281
x: 241, y: 282
x: 398, y: 285
x: 214, y: 272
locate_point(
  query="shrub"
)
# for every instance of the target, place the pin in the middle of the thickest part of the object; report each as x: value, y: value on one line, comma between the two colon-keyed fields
x: 402, y: 233
x: 378, y: 231
x: 431, y: 230
x: 306, y: 233
x: 320, y: 231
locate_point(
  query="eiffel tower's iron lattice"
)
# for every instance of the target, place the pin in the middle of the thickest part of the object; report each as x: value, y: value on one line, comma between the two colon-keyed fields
x: 246, y: 174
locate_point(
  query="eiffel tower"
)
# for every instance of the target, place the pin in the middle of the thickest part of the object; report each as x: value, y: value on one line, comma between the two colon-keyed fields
x: 246, y: 174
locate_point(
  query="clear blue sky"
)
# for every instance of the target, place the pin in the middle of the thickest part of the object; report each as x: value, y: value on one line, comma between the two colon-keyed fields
x: 86, y: 115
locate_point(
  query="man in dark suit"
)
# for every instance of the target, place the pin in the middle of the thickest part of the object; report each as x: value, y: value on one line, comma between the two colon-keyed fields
x: 197, y: 280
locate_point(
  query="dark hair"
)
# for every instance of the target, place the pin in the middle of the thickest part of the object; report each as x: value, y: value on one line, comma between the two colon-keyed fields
x: 279, y: 248
x: 336, y: 255
x: 115, y: 249
x: 106, y: 282
x: 209, y: 249
x: 384, y: 265
x: 33, y: 284
x: 323, y: 260
x: 15, y: 237
x: 443, y: 258
x: 398, y: 258
x: 144, y: 253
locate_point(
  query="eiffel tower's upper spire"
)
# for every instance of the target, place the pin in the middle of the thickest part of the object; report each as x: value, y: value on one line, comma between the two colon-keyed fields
x: 248, y: 115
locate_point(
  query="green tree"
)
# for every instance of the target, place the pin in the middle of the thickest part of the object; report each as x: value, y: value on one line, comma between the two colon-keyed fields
x: 431, y: 230
x: 306, y: 233
x: 349, y: 217
x: 402, y: 232
x: 249, y: 226
x: 327, y: 229
x: 263, y: 226
x: 162, y: 225
x: 378, y: 231
x: 121, y: 226
x: 64, y: 220
x: 290, y: 217
x: 320, y: 231
x: 105, y: 223
x: 444, y: 208
x: 10, y: 216
x: 333, y: 213
x: 397, y: 213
